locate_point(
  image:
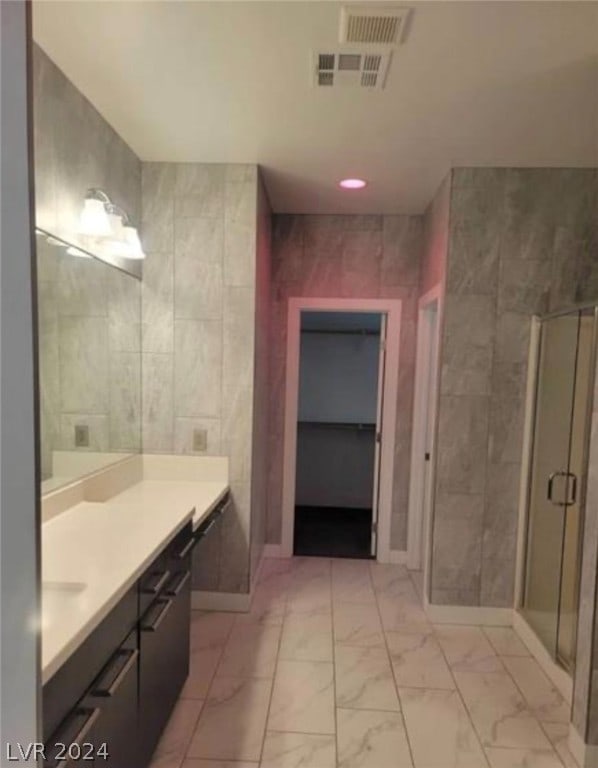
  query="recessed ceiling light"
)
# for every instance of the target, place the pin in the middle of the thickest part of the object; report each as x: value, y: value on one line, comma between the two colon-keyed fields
x: 352, y: 183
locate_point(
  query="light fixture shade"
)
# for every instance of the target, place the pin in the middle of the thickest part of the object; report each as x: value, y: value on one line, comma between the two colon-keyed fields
x: 133, y: 243
x: 117, y: 230
x: 94, y: 221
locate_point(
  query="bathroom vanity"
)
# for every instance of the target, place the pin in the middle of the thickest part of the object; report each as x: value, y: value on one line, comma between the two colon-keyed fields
x: 116, y: 603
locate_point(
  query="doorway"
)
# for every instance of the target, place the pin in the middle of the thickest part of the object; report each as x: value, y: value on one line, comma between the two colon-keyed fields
x: 341, y: 365
x: 339, y: 443
x: 424, y: 433
x: 558, y: 460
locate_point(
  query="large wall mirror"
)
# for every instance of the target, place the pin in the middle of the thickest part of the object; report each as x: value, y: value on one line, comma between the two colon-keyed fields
x: 89, y: 293
x: 89, y: 315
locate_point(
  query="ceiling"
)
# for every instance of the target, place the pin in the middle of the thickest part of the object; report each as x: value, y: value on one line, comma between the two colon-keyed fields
x: 475, y: 83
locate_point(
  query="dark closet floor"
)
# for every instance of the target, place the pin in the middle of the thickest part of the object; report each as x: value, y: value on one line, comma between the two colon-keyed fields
x: 332, y: 532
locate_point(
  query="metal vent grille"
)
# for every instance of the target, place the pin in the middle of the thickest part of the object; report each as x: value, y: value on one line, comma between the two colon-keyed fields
x: 368, y: 79
x: 371, y: 63
x: 372, y: 29
x: 326, y: 61
x: 371, y: 24
x: 349, y: 68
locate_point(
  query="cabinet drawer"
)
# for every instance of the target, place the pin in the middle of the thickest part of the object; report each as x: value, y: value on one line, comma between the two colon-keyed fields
x: 72, y: 681
x: 163, y: 635
x: 73, y: 744
x: 170, y: 562
x: 114, y: 693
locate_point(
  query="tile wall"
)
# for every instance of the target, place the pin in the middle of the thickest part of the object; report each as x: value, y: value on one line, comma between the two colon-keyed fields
x: 520, y: 242
x: 199, y: 326
x: 345, y: 257
x: 261, y: 394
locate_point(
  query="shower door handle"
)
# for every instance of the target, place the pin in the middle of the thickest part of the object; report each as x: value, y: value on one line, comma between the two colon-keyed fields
x: 571, y: 488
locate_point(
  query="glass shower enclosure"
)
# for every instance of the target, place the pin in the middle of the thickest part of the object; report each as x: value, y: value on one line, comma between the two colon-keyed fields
x: 555, y: 493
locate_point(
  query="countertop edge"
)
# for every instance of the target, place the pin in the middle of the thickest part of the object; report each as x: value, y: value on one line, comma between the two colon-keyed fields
x: 198, y: 520
x: 53, y: 665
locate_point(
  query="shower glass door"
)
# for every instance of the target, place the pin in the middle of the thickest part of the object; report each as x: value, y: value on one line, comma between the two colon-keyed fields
x: 552, y: 536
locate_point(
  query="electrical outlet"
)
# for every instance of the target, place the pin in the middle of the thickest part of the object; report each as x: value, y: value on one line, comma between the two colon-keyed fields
x: 81, y: 436
x: 200, y: 439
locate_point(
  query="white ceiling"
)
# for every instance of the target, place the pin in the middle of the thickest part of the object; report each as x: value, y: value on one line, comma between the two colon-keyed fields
x: 476, y: 83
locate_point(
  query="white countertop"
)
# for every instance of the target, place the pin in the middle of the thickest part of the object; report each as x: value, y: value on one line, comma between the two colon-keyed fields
x: 95, y: 551
x: 198, y: 497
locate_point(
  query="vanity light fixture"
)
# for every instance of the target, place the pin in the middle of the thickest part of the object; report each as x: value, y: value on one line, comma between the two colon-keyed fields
x: 94, y: 221
x: 108, y: 226
x: 353, y: 183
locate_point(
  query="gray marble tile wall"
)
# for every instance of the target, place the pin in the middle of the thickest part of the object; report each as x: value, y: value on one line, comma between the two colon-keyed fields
x: 519, y: 244
x: 198, y: 327
x: 344, y: 257
x: 261, y: 394
x: 90, y: 364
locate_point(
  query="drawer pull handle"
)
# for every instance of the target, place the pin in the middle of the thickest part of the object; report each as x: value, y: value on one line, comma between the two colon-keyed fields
x: 113, y: 678
x: 186, y: 549
x: 205, y: 530
x: 164, y: 606
x: 155, y: 588
x: 173, y: 591
x: 91, y: 716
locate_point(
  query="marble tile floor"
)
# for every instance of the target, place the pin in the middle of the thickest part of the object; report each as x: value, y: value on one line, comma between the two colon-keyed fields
x: 337, y: 666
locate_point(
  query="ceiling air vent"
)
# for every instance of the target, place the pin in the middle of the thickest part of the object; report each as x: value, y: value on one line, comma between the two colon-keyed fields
x: 373, y: 24
x: 351, y: 69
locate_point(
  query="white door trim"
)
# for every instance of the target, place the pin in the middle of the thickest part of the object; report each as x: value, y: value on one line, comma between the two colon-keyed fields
x: 392, y: 309
x: 418, y: 522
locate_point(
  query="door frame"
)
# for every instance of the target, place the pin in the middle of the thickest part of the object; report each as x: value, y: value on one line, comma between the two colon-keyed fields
x: 392, y: 309
x: 419, y: 526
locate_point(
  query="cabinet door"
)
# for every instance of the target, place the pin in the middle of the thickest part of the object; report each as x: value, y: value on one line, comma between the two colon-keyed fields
x: 73, y: 680
x: 72, y: 745
x: 114, y: 692
x: 164, y: 664
x: 207, y: 556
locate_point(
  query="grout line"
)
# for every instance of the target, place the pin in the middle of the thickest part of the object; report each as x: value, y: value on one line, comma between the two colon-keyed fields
x: 506, y: 671
x: 392, y: 672
x: 284, y: 616
x: 455, y: 690
x: 210, y: 684
x: 553, y: 745
x: 334, y: 683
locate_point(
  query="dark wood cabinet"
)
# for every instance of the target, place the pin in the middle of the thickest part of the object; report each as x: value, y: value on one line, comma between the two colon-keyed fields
x: 76, y: 676
x: 164, y: 643
x: 114, y: 693
x: 207, y: 554
x: 120, y: 686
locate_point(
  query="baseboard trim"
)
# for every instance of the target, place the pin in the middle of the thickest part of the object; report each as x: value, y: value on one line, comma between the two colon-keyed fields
x: 586, y: 755
x: 397, y: 557
x: 273, y: 550
x: 557, y: 675
x: 468, y: 614
x: 220, y: 601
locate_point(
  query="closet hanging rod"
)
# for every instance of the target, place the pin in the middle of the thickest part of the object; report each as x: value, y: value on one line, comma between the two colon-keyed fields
x: 339, y: 424
x: 355, y: 332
